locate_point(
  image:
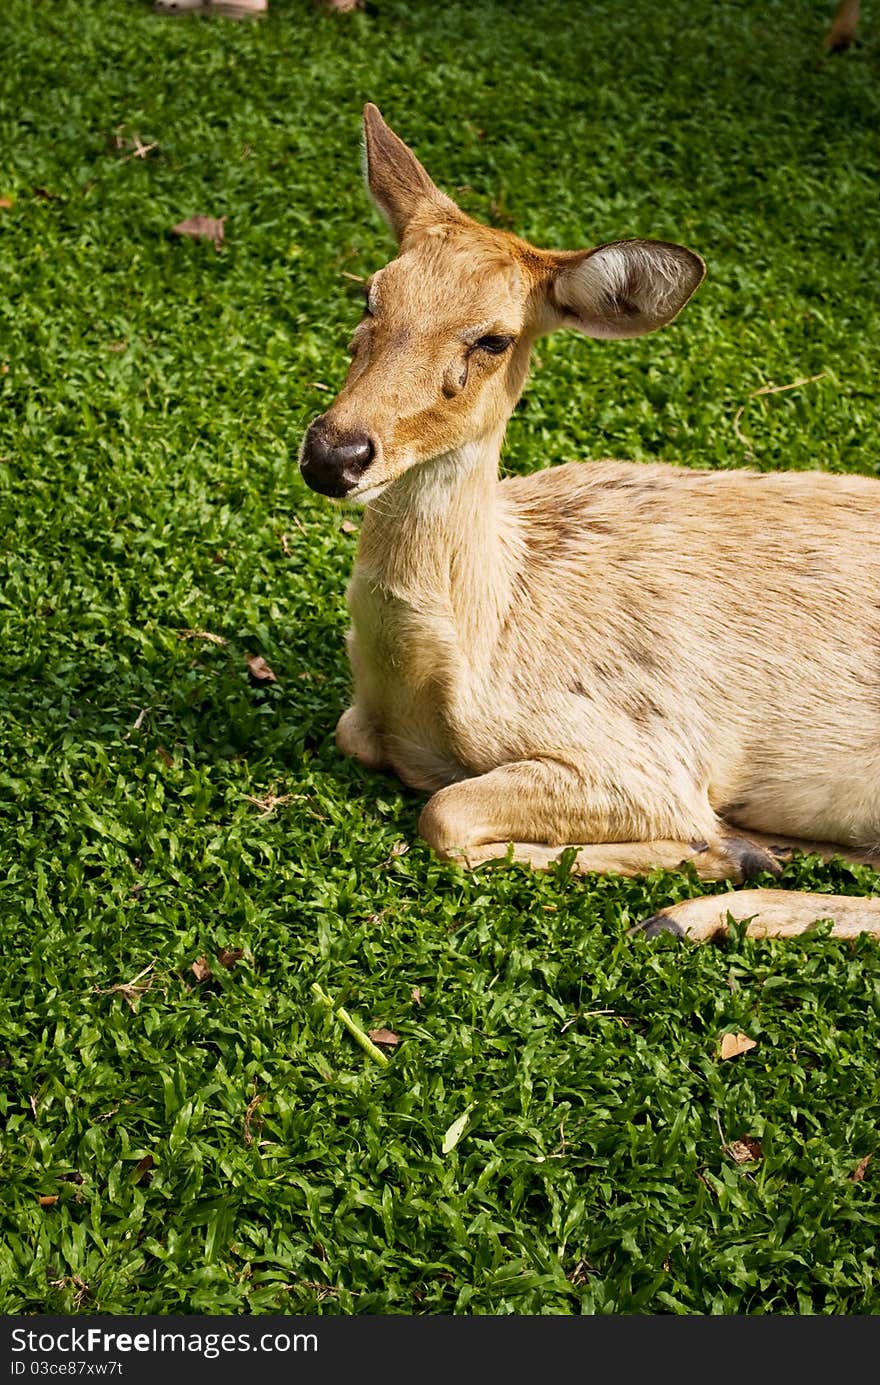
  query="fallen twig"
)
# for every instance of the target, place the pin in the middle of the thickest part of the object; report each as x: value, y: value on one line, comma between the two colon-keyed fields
x: 795, y: 384
x: 736, y: 428
x: 354, y: 1030
x: 770, y: 389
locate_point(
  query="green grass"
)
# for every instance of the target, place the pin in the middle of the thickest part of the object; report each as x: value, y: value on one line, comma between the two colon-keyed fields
x: 152, y: 398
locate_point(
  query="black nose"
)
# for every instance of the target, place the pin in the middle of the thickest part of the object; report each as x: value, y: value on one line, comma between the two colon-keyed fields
x: 334, y: 462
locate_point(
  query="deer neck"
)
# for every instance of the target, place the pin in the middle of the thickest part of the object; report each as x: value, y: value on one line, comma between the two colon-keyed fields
x: 439, y: 536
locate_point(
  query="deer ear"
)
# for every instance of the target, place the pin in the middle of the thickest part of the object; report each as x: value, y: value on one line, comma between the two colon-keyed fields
x: 624, y: 289
x: 398, y: 184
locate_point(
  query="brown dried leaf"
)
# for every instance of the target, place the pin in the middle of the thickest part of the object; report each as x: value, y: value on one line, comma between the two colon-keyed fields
x: 200, y: 969
x: 249, y: 1116
x: 746, y: 1150
x: 165, y: 756
x: 348, y: 527
x: 259, y: 670
x: 6, y: 203
x: 858, y: 1172
x: 44, y: 195
x: 228, y: 956
x: 383, y: 1036
x: 142, y: 1169
x: 202, y: 228
x: 416, y: 994
x: 132, y: 990
x: 732, y: 1045
x: 48, y: 1201
x: 270, y: 802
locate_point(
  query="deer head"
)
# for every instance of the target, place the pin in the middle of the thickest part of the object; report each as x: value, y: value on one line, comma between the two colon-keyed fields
x: 440, y: 356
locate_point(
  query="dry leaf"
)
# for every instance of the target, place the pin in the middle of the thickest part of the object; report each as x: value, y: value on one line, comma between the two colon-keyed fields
x: 271, y: 801
x: 746, y: 1150
x: 201, y: 635
x: 131, y: 990
x: 858, y: 1172
x: 400, y: 848
x: 348, y: 527
x: 48, y: 1201
x: 6, y: 203
x: 200, y: 969
x: 248, y: 1118
x: 202, y: 228
x: 416, y: 994
x: 44, y: 195
x: 732, y: 1045
x: 259, y: 670
x: 228, y: 956
x: 455, y: 1132
x: 142, y: 1169
x: 383, y: 1036
x: 164, y: 755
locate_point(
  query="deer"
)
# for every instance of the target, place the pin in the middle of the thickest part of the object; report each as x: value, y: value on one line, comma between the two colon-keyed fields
x: 649, y: 664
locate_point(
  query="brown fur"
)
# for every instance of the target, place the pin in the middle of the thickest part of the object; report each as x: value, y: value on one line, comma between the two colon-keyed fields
x: 602, y: 654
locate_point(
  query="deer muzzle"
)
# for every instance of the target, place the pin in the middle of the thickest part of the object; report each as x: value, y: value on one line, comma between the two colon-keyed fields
x: 333, y: 462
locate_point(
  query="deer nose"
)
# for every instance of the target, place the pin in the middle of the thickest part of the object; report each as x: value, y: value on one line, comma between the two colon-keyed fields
x: 332, y: 462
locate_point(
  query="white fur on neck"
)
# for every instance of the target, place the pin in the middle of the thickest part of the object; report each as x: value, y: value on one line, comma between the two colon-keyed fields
x: 427, y: 488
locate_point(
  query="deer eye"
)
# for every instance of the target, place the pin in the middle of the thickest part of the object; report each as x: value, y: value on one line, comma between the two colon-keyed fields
x: 495, y: 346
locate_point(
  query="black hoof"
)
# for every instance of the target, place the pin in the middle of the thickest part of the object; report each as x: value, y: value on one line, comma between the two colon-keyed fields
x: 751, y: 859
x: 657, y: 924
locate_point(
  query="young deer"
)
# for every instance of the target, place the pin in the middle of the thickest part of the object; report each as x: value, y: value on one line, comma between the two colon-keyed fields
x: 640, y: 660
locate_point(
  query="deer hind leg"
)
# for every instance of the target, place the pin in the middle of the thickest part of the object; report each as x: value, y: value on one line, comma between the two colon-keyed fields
x: 844, y: 27
x: 356, y: 735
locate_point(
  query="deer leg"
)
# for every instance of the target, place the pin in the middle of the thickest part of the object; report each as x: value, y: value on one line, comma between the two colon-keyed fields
x: 530, y: 803
x: 356, y: 735
x: 767, y: 914
x: 519, y: 808
x: 734, y: 856
x: 844, y: 27
x: 618, y: 858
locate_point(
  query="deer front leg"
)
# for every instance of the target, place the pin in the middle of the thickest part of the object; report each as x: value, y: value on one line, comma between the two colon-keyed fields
x: 845, y: 27
x: 357, y: 735
x: 540, y: 807
x: 717, y: 862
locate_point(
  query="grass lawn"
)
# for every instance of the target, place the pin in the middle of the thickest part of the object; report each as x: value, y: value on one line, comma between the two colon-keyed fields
x: 222, y: 1145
